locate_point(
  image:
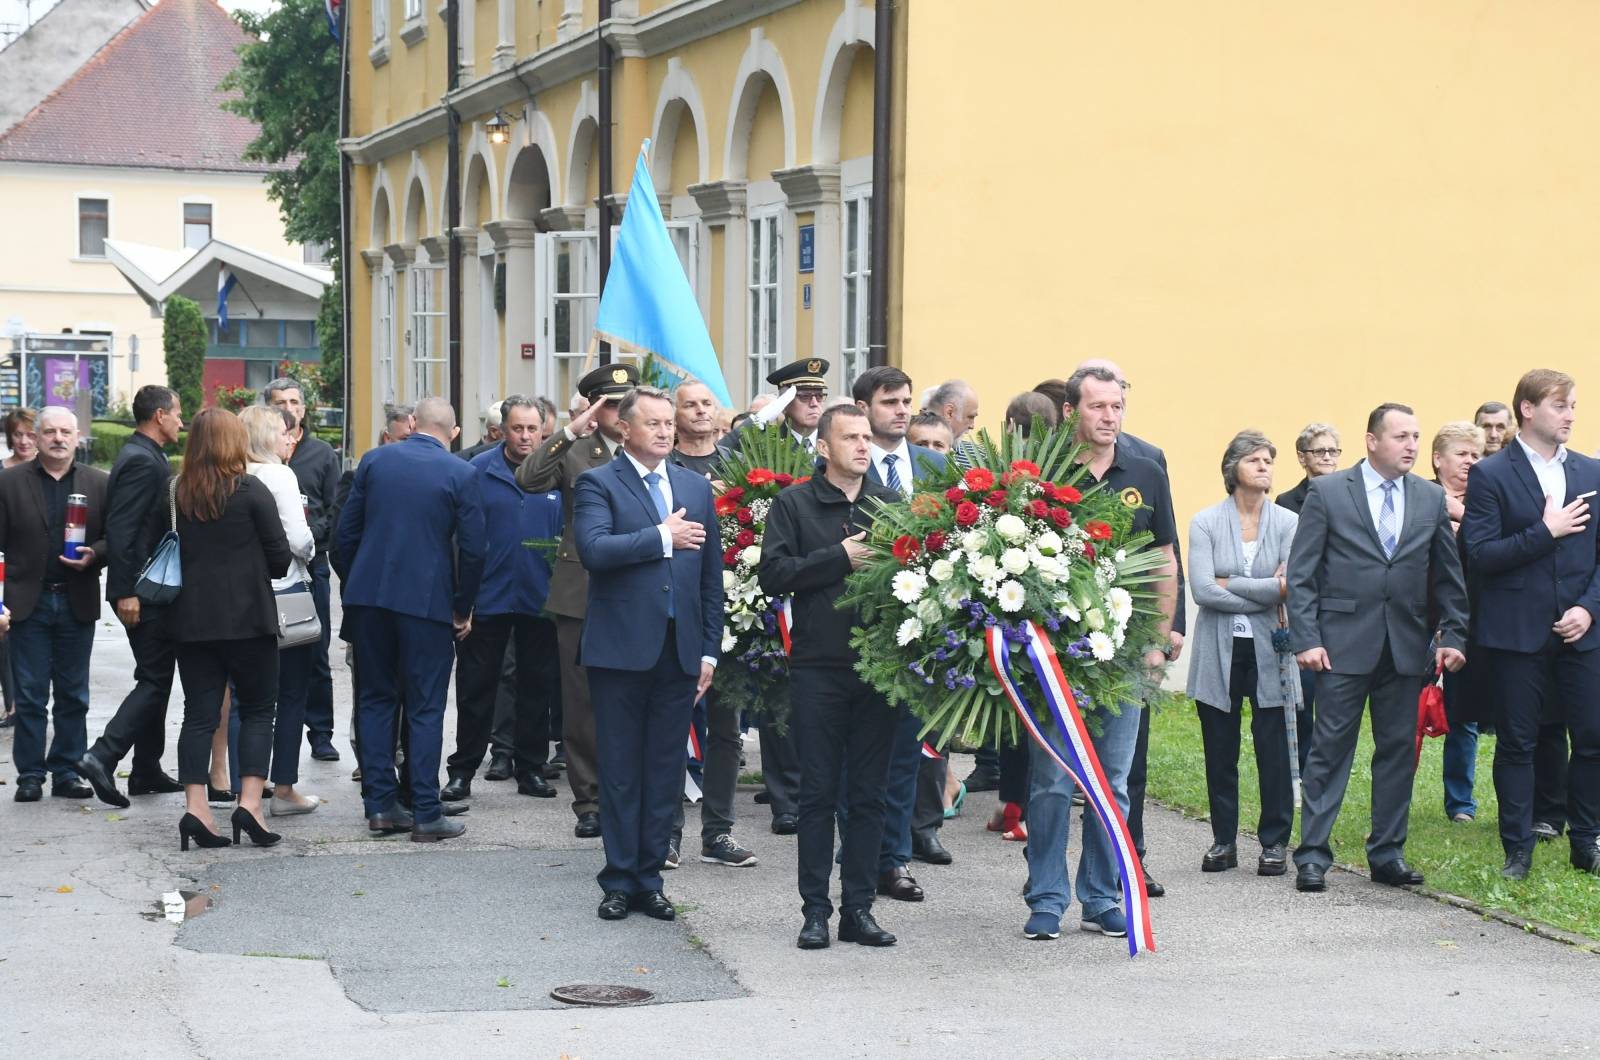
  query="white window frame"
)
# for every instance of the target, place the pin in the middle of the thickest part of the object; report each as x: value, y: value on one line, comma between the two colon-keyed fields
x: 413, y: 9
x: 427, y: 345
x: 183, y: 221
x: 77, y: 222
x: 383, y: 291
x: 854, y: 358
x: 380, y: 21
x: 556, y: 370
x: 763, y: 295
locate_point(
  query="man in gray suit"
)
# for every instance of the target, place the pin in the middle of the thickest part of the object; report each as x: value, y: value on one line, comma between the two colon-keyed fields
x: 1373, y: 547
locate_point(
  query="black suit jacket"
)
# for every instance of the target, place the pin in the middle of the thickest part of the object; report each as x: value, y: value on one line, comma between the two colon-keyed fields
x: 1295, y: 499
x: 138, y: 483
x: 25, y: 539
x: 228, y: 567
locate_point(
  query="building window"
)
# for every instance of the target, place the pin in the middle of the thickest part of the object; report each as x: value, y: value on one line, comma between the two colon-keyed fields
x: 761, y: 280
x: 385, y: 334
x: 299, y: 334
x: 380, y: 20
x: 427, y: 318
x: 94, y: 225
x: 196, y: 225
x: 413, y: 9
x: 314, y: 252
x: 853, y: 354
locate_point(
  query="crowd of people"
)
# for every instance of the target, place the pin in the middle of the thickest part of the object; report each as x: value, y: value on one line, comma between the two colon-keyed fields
x: 560, y: 575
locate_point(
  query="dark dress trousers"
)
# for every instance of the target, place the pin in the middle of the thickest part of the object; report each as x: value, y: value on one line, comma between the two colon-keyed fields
x: 1526, y: 579
x: 650, y: 622
x: 411, y: 534
x: 318, y: 468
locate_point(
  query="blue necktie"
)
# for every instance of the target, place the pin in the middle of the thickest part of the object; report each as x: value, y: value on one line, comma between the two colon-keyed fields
x: 652, y: 485
x: 1386, y: 529
x: 890, y: 475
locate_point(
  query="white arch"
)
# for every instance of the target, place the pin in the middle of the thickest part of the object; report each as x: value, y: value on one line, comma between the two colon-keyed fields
x: 381, y: 186
x: 532, y: 129
x: 478, y: 148
x: 585, y: 123
x: 418, y: 176
x: 678, y: 87
x: 852, y: 31
x: 761, y: 57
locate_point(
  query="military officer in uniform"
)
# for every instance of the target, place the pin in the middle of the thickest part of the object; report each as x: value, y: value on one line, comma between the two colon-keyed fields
x: 591, y: 440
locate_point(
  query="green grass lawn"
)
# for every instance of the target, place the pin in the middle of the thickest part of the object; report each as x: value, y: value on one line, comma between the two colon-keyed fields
x: 1461, y: 859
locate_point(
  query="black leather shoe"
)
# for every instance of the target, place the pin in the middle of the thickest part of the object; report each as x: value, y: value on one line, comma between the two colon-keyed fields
x: 549, y: 771
x: 899, y: 885
x: 435, y: 830
x: 814, y: 933
x: 982, y: 780
x: 71, y: 788
x: 1586, y: 857
x: 453, y: 809
x: 1151, y: 887
x: 1518, y: 864
x: 1544, y: 831
x: 499, y: 768
x: 858, y: 926
x: 536, y: 786
x: 28, y: 790
x: 655, y: 905
x: 614, y: 906
x: 99, y: 777
x: 324, y: 751
x: 785, y: 824
x: 1311, y: 878
x: 1274, y: 860
x: 762, y: 798
x: 390, y: 822
x: 1220, y: 858
x: 157, y: 783
x: 457, y: 789
x: 928, y: 848
x: 588, y: 826
x: 1397, y: 873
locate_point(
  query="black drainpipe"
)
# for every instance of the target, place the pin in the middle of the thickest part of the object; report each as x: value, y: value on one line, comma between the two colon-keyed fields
x: 345, y: 251
x: 604, y: 77
x: 882, y: 74
x: 452, y: 185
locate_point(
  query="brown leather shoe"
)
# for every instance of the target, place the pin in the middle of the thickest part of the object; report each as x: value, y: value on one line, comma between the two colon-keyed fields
x: 898, y: 884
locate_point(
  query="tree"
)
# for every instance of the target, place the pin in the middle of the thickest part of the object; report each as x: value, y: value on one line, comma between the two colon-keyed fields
x: 330, y: 335
x: 183, y: 340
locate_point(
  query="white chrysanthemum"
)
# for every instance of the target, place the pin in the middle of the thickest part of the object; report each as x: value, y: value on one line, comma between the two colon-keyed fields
x: 1094, y: 619
x: 1121, y: 556
x: 751, y: 556
x: 974, y: 540
x: 1010, y: 527
x: 990, y: 587
x: 1048, y: 543
x: 1014, y: 560
x: 929, y: 611
x: 1120, y: 635
x: 1102, y: 647
x: 1012, y: 596
x: 729, y: 642
x: 1120, y: 602
x: 909, y: 631
x: 984, y: 568
x: 942, y: 570
x: 909, y: 586
x: 952, y: 596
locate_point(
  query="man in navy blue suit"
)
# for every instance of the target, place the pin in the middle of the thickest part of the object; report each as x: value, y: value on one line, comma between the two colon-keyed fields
x: 412, y: 537
x: 1535, y: 558
x: 652, y: 633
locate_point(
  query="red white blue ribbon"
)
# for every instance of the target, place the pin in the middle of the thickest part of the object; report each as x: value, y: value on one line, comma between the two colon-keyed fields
x: 785, y: 613
x: 1080, y: 762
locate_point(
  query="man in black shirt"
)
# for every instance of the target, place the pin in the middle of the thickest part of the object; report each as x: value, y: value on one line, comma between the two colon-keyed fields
x: 317, y: 467
x: 814, y: 538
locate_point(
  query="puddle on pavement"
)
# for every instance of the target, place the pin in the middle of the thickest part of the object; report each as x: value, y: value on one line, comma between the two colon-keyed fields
x: 177, y: 906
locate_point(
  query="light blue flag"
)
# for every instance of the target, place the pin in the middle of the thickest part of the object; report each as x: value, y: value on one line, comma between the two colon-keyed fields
x: 648, y: 306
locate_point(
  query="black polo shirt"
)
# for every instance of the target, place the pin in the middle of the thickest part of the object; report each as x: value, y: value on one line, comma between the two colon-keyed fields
x: 1143, y: 487
x: 700, y: 465
x: 55, y: 510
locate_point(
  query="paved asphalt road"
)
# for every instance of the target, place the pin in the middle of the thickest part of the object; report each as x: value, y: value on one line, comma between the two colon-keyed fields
x: 335, y: 944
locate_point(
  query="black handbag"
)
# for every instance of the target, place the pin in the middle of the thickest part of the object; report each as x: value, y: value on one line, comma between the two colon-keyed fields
x: 161, y: 580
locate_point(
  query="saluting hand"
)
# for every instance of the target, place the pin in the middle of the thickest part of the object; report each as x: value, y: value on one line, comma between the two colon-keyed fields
x: 583, y: 424
x: 685, y: 534
x: 1571, y: 519
x: 857, y: 549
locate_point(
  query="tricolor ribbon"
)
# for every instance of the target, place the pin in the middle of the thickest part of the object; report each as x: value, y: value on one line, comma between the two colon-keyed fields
x: 784, y: 609
x: 1080, y: 762
x: 930, y: 752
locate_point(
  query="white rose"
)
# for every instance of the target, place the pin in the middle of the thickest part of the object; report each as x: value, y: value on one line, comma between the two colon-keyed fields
x: 1048, y: 543
x: 728, y: 639
x: 974, y: 540
x: 1102, y: 647
x: 1094, y: 619
x: 909, y: 631
x: 929, y: 611
x: 729, y: 581
x: 1010, y: 527
x: 984, y: 568
x: 751, y: 556
x: 942, y: 570
x: 909, y: 586
x: 1012, y: 596
x: 1014, y: 560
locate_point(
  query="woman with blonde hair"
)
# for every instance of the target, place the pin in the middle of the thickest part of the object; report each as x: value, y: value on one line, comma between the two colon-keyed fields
x: 1456, y: 448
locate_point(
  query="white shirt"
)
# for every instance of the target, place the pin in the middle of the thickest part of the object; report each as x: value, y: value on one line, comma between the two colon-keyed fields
x: 808, y: 442
x: 902, y: 465
x: 1374, y: 484
x: 1552, y: 475
x: 665, y: 486
x: 1241, y: 623
x: 292, y: 514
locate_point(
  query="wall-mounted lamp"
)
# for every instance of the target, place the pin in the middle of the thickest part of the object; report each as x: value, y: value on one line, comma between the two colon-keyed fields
x: 498, y: 129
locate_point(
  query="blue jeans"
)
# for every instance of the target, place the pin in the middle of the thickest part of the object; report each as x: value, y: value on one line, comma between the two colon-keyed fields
x: 900, y: 793
x: 50, y: 652
x: 1460, y: 769
x: 1050, y: 820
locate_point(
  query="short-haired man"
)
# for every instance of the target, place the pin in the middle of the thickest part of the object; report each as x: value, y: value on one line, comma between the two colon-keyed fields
x: 843, y: 727
x: 1373, y: 545
x: 929, y: 430
x: 957, y: 404
x: 1535, y: 558
x: 1494, y: 419
x: 317, y: 468
x: 914, y: 798
x: 136, y: 486
x: 53, y: 594
x: 1095, y: 395
x: 652, y: 635
x: 696, y: 445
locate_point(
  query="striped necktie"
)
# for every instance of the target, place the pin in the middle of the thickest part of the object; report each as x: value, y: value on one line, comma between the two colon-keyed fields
x: 891, y: 477
x: 1387, y: 535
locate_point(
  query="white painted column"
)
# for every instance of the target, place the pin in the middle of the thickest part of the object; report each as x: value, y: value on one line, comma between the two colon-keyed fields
x: 516, y: 240
x: 505, y: 49
x: 815, y: 190
x: 722, y: 203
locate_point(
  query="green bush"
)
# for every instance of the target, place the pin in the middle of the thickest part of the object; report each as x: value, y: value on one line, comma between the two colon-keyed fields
x: 183, y: 338
x: 106, y: 439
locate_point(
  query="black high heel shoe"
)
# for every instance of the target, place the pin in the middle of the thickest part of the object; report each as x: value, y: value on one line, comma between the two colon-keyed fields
x: 190, y: 827
x: 218, y: 795
x: 244, y: 822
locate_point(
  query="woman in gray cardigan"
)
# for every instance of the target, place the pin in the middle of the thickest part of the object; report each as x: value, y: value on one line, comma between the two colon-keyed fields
x: 1238, y: 550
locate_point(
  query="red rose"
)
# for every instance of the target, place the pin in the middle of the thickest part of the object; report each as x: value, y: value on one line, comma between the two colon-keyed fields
x: 934, y: 542
x: 745, y: 538
x: 966, y: 513
x: 1098, y: 530
x: 997, y: 499
x: 760, y: 476
x: 1039, y: 510
x: 955, y: 494
x: 979, y: 479
x: 734, y: 494
x: 906, y: 548
x: 727, y: 505
x: 783, y: 478
x: 1068, y: 495
x: 1088, y: 552
x: 1025, y: 468
x: 745, y: 516
x: 1061, y: 517
x: 730, y: 558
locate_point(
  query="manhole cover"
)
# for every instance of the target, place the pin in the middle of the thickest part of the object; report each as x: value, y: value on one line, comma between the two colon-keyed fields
x: 600, y: 994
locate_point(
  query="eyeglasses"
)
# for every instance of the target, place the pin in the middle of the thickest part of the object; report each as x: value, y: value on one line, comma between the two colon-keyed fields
x: 810, y: 397
x: 1323, y: 454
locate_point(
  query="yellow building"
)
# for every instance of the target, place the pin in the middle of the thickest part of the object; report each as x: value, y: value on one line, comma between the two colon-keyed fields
x: 1267, y: 214
x: 133, y: 149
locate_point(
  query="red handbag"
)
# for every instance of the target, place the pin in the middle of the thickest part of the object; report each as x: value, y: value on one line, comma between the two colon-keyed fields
x: 1431, y: 720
